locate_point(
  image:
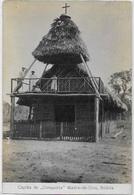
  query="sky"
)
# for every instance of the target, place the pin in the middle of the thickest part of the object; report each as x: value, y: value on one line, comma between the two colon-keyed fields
x: 105, y: 28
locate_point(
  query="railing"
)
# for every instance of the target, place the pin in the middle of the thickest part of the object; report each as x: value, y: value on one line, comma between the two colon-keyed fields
x: 57, y: 85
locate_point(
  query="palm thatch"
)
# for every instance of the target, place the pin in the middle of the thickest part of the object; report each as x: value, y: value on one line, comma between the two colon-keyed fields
x: 72, y: 70
x: 62, y: 44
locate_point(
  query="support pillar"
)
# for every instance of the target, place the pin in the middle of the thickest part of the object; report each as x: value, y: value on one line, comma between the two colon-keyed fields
x: 12, y: 116
x: 61, y: 130
x: 40, y: 130
x: 96, y: 118
x: 102, y: 119
x: 29, y: 116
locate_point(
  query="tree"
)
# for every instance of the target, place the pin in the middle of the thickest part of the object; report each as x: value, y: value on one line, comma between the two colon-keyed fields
x: 120, y: 83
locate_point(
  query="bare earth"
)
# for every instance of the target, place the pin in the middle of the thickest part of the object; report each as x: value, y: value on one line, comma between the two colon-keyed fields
x: 108, y: 161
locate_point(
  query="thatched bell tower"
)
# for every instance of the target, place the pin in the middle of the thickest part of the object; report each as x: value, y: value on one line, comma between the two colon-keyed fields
x: 62, y: 44
x: 67, y: 102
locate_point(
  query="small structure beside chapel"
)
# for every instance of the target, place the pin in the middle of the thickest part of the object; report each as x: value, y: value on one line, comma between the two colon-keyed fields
x: 67, y: 102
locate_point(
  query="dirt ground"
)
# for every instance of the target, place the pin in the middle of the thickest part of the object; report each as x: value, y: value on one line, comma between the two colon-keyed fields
x: 108, y: 161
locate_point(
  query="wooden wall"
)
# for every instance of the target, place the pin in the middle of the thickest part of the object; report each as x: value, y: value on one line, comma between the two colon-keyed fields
x: 44, y: 124
x: 107, y: 121
x: 83, y: 126
x: 84, y: 119
x: 44, y: 113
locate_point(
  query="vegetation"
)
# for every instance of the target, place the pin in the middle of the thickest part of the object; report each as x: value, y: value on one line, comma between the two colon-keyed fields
x: 121, y: 85
x: 6, y: 112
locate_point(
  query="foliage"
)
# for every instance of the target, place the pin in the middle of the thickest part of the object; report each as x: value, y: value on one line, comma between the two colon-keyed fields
x: 120, y: 83
x: 6, y: 112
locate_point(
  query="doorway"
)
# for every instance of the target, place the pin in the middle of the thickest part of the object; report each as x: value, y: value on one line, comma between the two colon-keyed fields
x: 65, y: 118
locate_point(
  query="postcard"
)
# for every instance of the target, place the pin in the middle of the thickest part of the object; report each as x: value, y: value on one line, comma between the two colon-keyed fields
x: 67, y: 97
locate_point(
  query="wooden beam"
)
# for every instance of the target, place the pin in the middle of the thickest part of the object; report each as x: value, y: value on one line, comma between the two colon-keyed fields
x: 40, y: 129
x: 29, y: 116
x: 56, y: 94
x: 88, y: 70
x: 27, y: 70
x: 86, y: 80
x: 90, y: 75
x: 11, y: 85
x: 96, y: 106
x: 102, y: 117
x: 43, y: 72
x: 61, y: 130
x: 12, y: 116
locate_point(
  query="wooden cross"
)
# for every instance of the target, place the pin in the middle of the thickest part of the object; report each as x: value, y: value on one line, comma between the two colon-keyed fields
x: 65, y: 7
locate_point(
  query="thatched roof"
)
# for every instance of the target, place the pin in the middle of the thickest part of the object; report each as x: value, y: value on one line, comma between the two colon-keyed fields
x: 72, y: 70
x: 62, y: 44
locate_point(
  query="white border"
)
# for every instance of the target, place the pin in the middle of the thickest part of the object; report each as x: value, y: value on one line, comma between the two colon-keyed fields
x: 66, y: 188
x: 59, y: 188
x: 1, y: 119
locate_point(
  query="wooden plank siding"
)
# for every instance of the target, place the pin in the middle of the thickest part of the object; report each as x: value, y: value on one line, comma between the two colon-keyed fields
x: 44, y: 113
x: 44, y: 125
x: 84, y: 120
x: 26, y: 129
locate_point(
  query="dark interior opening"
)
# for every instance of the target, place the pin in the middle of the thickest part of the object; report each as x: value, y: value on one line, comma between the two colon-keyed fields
x: 65, y: 113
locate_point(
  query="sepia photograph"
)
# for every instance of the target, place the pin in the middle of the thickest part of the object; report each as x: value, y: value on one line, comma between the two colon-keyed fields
x: 67, y: 92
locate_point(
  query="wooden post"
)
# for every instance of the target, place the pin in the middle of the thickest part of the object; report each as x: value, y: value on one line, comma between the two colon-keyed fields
x: 61, y: 130
x: 96, y: 119
x: 30, y: 109
x: 11, y: 86
x: 69, y: 86
x: 58, y: 85
x: 12, y: 116
x: 40, y: 129
x: 102, y: 118
x: 100, y: 86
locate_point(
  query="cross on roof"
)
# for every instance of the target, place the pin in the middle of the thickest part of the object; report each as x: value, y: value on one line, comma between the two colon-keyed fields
x: 65, y: 7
